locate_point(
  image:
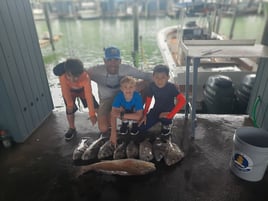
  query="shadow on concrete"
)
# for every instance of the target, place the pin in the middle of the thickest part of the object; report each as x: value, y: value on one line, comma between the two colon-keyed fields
x: 42, y: 167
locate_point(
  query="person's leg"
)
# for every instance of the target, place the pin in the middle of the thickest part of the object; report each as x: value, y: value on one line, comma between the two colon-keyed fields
x: 166, y: 128
x: 104, y: 117
x: 72, y: 130
x: 124, y: 127
x: 104, y: 123
x: 71, y: 121
x: 84, y: 102
x: 95, y: 102
x: 152, y: 119
x: 134, y: 128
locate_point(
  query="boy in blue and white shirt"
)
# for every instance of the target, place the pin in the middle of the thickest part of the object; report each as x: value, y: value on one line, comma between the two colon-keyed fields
x: 127, y: 106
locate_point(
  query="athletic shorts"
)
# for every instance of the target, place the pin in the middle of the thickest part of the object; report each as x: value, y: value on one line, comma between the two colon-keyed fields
x: 81, y: 95
x: 105, y: 106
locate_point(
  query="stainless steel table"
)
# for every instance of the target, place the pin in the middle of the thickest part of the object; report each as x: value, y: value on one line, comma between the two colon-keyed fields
x: 197, y: 49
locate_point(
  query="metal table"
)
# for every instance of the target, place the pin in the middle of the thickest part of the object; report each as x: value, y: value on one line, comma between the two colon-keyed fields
x: 197, y: 49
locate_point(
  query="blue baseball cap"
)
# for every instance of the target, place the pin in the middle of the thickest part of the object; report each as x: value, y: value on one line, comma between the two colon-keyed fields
x: 112, y: 53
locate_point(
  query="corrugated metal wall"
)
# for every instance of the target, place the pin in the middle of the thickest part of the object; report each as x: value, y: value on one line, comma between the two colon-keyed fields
x: 25, y: 96
x: 258, y: 105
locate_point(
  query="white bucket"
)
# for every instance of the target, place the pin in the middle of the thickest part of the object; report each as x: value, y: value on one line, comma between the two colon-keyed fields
x: 250, y: 153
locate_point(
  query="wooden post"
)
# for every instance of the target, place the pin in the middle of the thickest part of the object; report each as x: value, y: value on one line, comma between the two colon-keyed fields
x: 264, y: 40
x: 233, y: 23
x: 218, y: 22
x: 45, y: 5
x: 136, y: 34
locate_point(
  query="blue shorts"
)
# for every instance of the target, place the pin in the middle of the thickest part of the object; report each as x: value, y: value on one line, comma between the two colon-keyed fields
x: 152, y: 119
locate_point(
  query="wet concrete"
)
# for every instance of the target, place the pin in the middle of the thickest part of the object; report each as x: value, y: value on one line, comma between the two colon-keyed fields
x: 42, y: 167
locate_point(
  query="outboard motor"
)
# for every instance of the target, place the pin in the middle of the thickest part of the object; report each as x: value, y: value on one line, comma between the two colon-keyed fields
x: 219, y: 95
x: 243, y: 93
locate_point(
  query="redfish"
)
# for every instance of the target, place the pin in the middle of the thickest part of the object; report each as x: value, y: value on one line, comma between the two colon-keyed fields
x: 124, y: 167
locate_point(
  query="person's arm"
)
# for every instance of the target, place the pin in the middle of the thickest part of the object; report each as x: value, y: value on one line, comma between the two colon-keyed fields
x: 91, y: 72
x: 180, y: 103
x: 86, y: 83
x: 65, y: 89
x: 134, y: 72
x: 96, y: 73
x: 115, y: 113
x: 136, y: 116
x: 147, y: 105
x: 137, y: 113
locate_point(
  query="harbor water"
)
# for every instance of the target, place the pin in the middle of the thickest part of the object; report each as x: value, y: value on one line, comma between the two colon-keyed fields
x: 85, y: 39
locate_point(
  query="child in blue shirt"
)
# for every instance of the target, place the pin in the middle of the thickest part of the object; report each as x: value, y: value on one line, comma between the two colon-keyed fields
x: 127, y: 106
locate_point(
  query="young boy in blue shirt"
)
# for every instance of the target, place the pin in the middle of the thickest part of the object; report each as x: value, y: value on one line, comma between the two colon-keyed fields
x: 127, y: 106
x: 164, y: 108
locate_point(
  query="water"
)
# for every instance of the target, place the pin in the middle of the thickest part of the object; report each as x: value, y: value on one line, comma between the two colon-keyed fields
x: 86, y: 39
x: 246, y: 27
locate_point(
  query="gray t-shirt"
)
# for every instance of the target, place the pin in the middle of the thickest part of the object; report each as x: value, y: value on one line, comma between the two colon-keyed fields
x: 109, y: 84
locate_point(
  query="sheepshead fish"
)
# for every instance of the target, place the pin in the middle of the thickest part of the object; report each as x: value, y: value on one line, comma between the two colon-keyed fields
x: 146, y: 150
x: 132, y: 150
x: 125, y: 167
x: 159, y: 149
x: 106, y: 150
x: 93, y: 149
x: 173, y: 154
x: 120, y: 151
x: 80, y: 149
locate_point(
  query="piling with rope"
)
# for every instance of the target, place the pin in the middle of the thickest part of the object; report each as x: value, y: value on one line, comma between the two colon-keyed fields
x: 135, y: 53
x: 45, y: 7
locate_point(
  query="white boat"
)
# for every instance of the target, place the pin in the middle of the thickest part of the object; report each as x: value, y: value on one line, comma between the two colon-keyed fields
x: 89, y: 10
x: 38, y: 14
x: 170, y: 40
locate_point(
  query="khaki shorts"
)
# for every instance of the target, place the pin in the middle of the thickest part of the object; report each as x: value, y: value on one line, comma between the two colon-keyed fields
x: 105, y: 106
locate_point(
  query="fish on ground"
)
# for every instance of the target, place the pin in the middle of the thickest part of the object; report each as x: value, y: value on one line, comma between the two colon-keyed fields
x: 106, y: 150
x: 80, y: 149
x: 173, y: 154
x: 132, y: 150
x: 124, y: 167
x: 93, y: 149
x: 146, y: 150
x: 159, y: 149
x: 120, y: 151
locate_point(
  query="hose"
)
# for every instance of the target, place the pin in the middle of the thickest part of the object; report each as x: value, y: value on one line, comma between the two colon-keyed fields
x: 253, y: 114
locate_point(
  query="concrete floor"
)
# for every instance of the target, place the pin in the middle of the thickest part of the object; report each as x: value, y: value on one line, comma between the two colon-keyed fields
x: 42, y: 168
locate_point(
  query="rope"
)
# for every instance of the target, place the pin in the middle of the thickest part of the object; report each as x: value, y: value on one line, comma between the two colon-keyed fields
x: 142, y: 55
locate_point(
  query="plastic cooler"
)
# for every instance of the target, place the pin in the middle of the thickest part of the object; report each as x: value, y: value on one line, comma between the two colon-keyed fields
x: 250, y: 153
